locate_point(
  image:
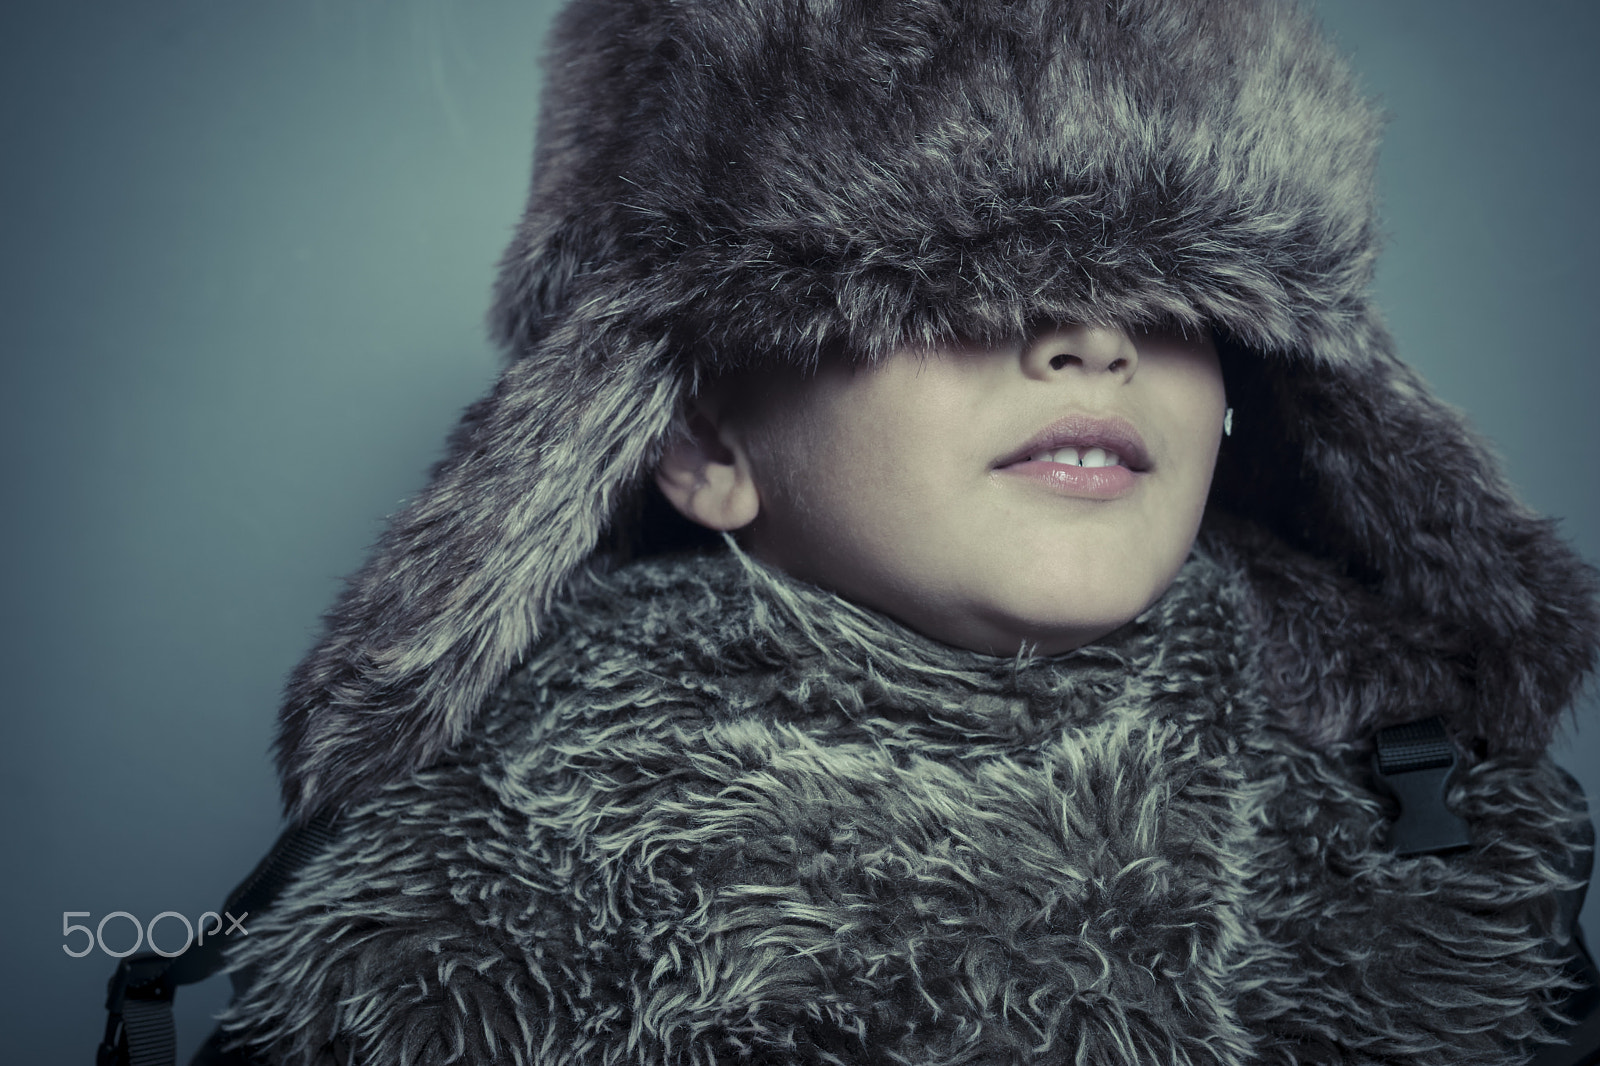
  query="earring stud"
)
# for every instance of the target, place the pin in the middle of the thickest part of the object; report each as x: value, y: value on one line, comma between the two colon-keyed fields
x: 1227, y: 422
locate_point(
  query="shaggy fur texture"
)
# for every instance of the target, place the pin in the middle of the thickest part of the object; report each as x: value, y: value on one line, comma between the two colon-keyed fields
x: 742, y: 182
x: 720, y: 816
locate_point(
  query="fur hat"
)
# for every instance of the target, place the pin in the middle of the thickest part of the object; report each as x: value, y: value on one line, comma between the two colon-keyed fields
x: 738, y: 183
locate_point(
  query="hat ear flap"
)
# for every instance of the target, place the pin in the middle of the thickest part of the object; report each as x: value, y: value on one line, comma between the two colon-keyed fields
x: 1448, y: 595
x: 462, y: 580
x: 535, y: 277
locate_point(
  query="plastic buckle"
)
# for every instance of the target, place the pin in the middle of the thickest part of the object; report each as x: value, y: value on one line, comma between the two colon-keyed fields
x: 142, y: 977
x: 1414, y: 762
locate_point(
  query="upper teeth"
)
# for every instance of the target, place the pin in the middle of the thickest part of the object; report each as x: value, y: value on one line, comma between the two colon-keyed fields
x: 1077, y: 457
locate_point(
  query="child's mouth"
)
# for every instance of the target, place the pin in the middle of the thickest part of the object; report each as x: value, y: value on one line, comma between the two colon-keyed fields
x: 1091, y: 458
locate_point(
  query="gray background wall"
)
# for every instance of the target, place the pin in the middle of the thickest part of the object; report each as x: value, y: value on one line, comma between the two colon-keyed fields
x: 245, y: 253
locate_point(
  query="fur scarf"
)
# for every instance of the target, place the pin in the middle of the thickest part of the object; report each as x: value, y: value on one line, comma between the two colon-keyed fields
x: 721, y: 816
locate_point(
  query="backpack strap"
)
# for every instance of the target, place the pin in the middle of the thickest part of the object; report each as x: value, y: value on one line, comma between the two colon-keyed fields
x: 139, y: 1027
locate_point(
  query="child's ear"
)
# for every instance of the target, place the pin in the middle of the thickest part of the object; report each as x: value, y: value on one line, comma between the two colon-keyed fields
x: 707, y: 475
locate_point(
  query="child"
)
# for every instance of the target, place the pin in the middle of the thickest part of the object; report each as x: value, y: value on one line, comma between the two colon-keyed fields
x: 1022, y: 722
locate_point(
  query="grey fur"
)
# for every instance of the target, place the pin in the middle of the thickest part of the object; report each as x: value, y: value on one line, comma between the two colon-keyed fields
x: 743, y: 182
x: 720, y: 816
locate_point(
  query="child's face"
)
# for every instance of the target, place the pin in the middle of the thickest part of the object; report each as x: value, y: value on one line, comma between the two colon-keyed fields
x: 923, y: 486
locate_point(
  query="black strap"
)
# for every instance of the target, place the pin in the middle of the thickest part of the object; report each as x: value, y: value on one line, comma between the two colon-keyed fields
x: 139, y: 1027
x: 152, y: 1040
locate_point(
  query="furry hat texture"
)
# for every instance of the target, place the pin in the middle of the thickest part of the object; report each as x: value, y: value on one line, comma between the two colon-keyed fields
x: 741, y: 183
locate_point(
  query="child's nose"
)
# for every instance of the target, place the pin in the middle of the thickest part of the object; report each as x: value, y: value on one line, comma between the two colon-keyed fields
x: 1092, y: 350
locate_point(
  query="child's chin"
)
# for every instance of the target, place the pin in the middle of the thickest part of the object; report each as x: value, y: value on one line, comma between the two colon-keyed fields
x: 1058, y: 620
x: 1052, y: 633
x: 1059, y: 640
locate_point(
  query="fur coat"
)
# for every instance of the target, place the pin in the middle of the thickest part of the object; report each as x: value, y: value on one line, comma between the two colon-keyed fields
x: 658, y: 811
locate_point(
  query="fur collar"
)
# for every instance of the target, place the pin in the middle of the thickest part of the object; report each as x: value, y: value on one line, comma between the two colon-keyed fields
x: 744, y: 635
x: 718, y: 815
